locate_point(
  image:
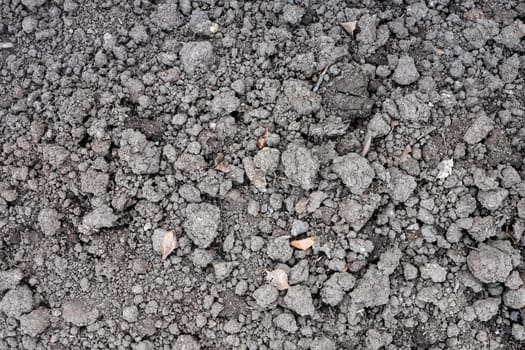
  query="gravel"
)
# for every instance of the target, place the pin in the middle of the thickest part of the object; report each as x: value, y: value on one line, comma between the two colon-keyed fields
x: 489, y: 264
x: 202, y: 223
x: 242, y: 126
x: 17, y: 301
x: 355, y: 172
x: 299, y: 299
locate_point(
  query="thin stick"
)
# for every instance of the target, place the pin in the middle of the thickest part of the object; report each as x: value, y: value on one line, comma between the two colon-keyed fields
x: 6, y: 45
x: 321, y: 78
x: 366, y: 145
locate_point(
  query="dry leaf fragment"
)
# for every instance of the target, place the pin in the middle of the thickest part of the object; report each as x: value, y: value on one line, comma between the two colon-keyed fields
x: 278, y: 278
x: 406, y: 153
x: 349, y: 27
x: 445, y: 168
x: 303, y: 244
x: 261, y: 142
x: 220, y: 165
x: 168, y: 244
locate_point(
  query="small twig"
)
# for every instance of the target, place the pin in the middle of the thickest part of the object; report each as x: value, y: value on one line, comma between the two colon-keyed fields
x: 321, y: 78
x: 367, y: 144
x: 426, y: 133
x: 6, y: 45
x: 471, y: 247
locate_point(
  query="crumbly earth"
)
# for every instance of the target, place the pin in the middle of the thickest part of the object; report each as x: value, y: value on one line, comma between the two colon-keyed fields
x: 396, y: 139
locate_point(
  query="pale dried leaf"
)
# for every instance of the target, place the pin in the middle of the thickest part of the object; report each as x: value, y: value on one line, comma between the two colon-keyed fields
x: 445, y: 168
x: 349, y: 27
x: 278, y: 278
x: 168, y: 244
x: 261, y: 142
x: 406, y: 153
x: 223, y: 168
x: 303, y: 244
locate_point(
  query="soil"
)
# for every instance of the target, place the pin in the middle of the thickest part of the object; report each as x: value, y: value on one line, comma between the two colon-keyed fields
x: 393, y: 132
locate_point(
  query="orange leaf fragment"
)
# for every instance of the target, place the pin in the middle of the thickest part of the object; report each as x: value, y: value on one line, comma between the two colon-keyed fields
x: 349, y: 27
x: 406, y: 153
x: 220, y: 165
x: 303, y: 244
x: 261, y: 142
x: 168, y: 244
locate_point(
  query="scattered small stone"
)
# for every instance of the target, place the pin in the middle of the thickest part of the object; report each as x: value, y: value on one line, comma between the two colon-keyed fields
x: 17, y: 301
x: 35, y: 322
x: 130, y: 313
x: 266, y: 295
x: 489, y: 264
x: 373, y: 289
x: 299, y: 227
x: 186, y: 342
x: 9, y: 279
x: 357, y: 213
x: 299, y: 299
x: 79, y: 313
x: 433, y: 271
x: 478, y: 130
x: 300, y: 166
x: 406, y: 72
x: 196, y: 55
x: 279, y: 249
x: 286, y: 321
x: 514, y: 299
x: 389, y: 260
x: 355, y: 172
x: 202, y: 223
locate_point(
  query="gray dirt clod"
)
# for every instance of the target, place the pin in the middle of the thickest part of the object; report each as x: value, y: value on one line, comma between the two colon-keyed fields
x: 130, y: 313
x: 141, y: 155
x: 101, y: 217
x: 373, y: 289
x: 357, y: 213
x: 433, y: 271
x: 492, y: 200
x: 355, y: 172
x: 9, y: 279
x: 196, y: 55
x: 286, y: 321
x: 479, y: 129
x: 79, y: 313
x: 186, y: 342
x: 167, y: 16
x: 300, y: 166
x: 485, y: 309
x: 406, y: 72
x: 279, y: 249
x: 266, y: 295
x: 17, y: 301
x: 299, y: 227
x: 202, y: 223
x: 482, y: 228
x: 515, y: 299
x: 489, y: 264
x: 35, y: 322
x: 49, y: 221
x: 401, y: 185
x: 335, y: 288
x: 94, y: 182
x: 267, y: 159
x: 322, y: 343
x: 389, y: 260
x: 299, y: 299
x: 301, y: 98
x: 292, y: 14
x: 299, y: 272
x: 255, y: 175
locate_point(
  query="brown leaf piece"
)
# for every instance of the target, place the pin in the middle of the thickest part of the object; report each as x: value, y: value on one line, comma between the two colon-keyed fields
x: 303, y: 244
x: 406, y: 153
x: 220, y: 165
x: 168, y: 244
x: 349, y: 27
x: 261, y: 142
